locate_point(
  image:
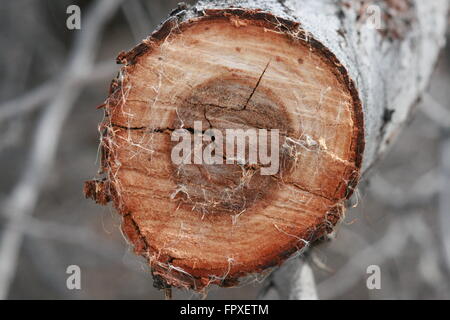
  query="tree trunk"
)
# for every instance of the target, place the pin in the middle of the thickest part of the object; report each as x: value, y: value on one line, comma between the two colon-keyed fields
x: 336, y: 88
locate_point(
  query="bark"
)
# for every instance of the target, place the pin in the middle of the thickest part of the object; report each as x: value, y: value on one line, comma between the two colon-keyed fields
x: 337, y: 90
x: 300, y: 285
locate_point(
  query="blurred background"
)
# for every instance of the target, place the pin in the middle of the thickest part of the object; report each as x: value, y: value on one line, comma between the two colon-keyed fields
x: 53, y: 79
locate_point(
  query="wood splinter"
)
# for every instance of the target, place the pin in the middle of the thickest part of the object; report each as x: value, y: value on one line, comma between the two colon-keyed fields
x: 254, y: 65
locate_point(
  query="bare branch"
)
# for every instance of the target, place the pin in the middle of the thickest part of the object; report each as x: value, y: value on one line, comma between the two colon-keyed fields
x: 38, y: 96
x: 444, y: 197
x: 25, y: 194
x: 395, y: 239
x: 137, y: 18
x: 396, y: 197
x: 435, y: 111
x: 294, y: 281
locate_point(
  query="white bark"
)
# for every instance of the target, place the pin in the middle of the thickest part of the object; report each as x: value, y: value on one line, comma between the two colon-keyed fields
x: 300, y: 285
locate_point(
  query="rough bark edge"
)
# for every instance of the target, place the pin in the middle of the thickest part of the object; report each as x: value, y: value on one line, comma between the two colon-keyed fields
x: 103, y: 191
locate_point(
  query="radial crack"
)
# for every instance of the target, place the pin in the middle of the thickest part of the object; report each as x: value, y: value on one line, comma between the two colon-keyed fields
x: 257, y: 85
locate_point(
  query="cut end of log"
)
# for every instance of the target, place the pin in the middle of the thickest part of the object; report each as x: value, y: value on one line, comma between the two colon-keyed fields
x: 199, y: 223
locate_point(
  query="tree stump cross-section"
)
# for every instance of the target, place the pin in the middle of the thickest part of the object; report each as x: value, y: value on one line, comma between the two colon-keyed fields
x: 253, y: 65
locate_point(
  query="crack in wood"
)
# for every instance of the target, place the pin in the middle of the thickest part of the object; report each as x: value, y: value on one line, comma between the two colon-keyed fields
x: 257, y: 85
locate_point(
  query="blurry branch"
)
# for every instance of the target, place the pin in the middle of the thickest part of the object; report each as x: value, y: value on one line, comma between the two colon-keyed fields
x: 389, y: 246
x: 73, y: 235
x: 444, y: 196
x: 28, y: 102
x: 38, y: 96
x: 441, y: 116
x: 12, y: 134
x: 304, y: 284
x: 17, y: 80
x: 23, y: 198
x: 294, y: 280
x: 435, y: 111
x: 137, y: 18
x: 397, y: 198
x: 155, y: 11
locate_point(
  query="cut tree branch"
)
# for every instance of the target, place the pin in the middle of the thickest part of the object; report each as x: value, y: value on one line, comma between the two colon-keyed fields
x: 338, y: 90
